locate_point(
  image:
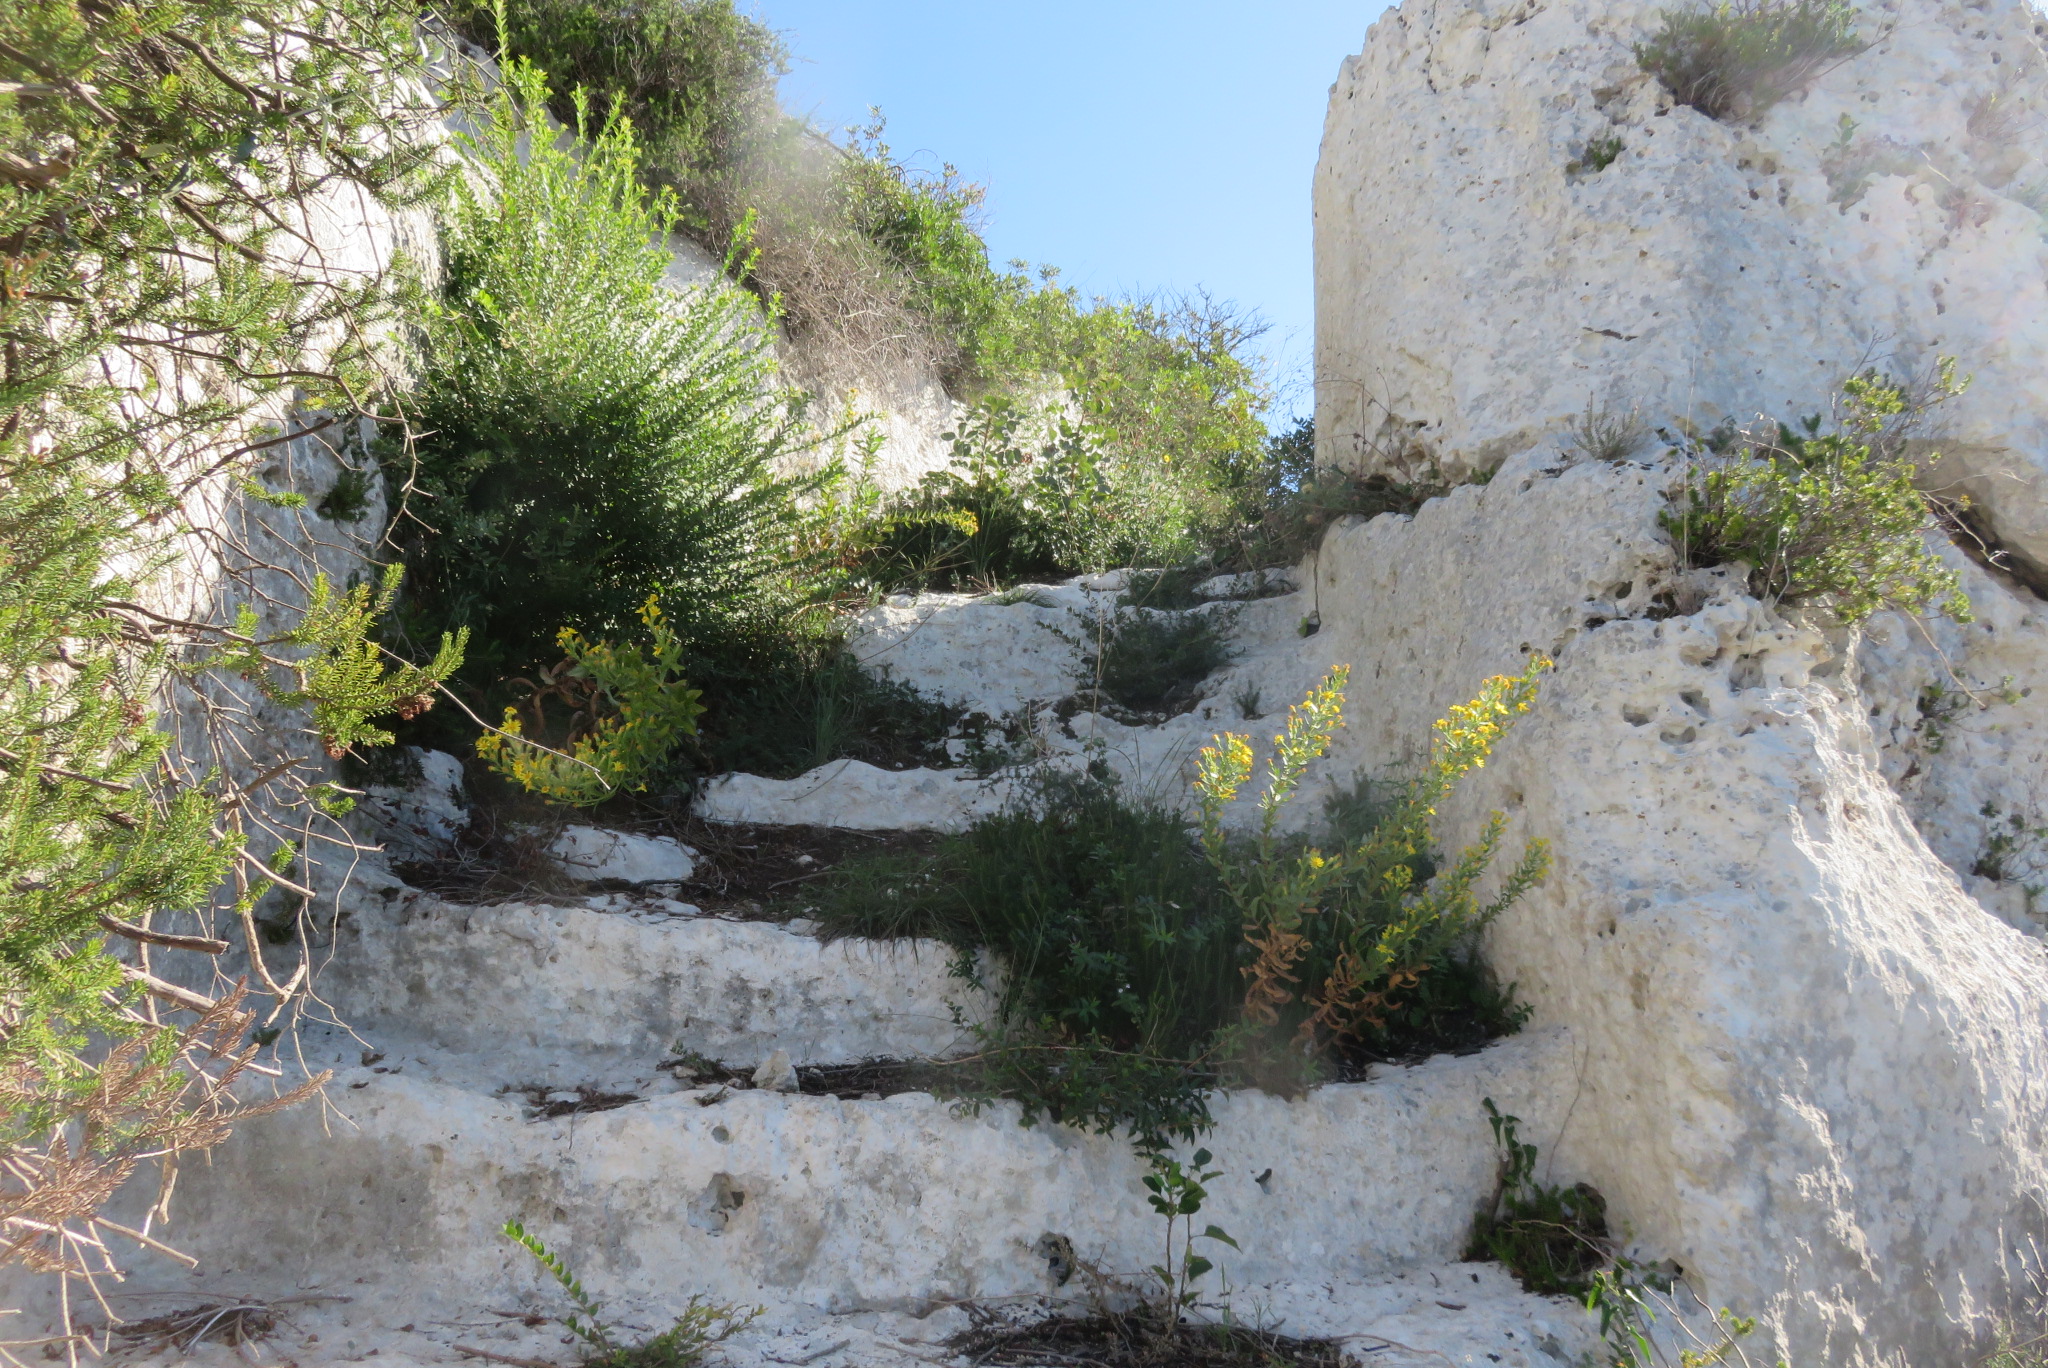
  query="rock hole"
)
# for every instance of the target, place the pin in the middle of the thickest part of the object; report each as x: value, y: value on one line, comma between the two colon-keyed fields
x: 1747, y: 672
x: 1625, y: 589
x: 721, y: 1135
x: 1679, y: 736
x: 711, y: 1210
x: 1634, y: 716
x: 1058, y: 1253
x: 1697, y: 701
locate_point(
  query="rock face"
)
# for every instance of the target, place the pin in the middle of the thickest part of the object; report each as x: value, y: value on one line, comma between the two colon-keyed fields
x: 1812, y: 1060
x: 1480, y: 283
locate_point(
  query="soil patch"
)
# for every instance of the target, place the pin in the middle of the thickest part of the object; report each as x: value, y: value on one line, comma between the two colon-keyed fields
x: 761, y: 873
x: 1138, y: 1341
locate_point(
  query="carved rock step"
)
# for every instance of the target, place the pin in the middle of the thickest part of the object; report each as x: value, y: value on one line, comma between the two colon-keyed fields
x: 889, y: 1205
x: 1461, y: 1314
x: 620, y: 981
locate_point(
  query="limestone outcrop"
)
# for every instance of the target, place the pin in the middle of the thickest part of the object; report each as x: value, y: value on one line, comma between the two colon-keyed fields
x: 1811, y: 1057
x: 1482, y: 280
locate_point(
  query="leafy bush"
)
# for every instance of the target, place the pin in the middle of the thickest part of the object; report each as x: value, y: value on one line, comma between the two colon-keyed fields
x: 1028, y: 495
x: 1831, y: 515
x: 1174, y: 384
x: 1736, y: 59
x: 694, y: 77
x: 928, y: 225
x: 591, y: 436
x: 1148, y: 661
x: 1338, y: 938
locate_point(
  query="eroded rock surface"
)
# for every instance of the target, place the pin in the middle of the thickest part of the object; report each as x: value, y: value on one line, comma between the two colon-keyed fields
x: 1480, y: 283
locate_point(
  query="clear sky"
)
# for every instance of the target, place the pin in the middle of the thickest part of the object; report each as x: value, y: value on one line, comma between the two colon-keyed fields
x: 1139, y: 145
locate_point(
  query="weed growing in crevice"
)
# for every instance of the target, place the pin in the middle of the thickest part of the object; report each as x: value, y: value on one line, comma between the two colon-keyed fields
x: 1824, y: 513
x: 1735, y: 59
x: 1553, y: 1239
x: 1599, y: 154
x: 1292, y: 526
x: 1556, y: 1241
x: 684, y: 1344
x: 2015, y: 850
x: 1608, y: 434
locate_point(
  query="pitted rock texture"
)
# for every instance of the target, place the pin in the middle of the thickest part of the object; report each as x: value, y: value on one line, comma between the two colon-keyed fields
x: 1479, y: 285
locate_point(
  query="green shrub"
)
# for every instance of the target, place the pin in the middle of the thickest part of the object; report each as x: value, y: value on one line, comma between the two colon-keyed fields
x: 1831, y: 516
x: 1173, y: 383
x: 1120, y: 959
x: 1148, y: 661
x: 790, y: 703
x: 694, y: 77
x: 928, y: 226
x: 1736, y: 59
x: 631, y: 709
x: 590, y: 436
x: 1125, y: 942
x: 1028, y: 495
x: 683, y: 1345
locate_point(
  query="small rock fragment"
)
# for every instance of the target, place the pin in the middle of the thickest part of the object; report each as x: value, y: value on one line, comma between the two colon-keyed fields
x: 776, y: 1073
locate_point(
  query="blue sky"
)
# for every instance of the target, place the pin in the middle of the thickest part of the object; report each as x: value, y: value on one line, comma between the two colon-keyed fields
x: 1136, y: 144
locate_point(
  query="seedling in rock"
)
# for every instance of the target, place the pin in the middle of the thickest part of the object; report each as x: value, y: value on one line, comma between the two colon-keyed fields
x: 683, y: 1344
x: 1177, y: 1194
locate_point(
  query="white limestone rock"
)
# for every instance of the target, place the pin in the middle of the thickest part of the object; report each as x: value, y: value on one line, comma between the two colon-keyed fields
x: 599, y: 855
x: 421, y: 820
x: 1478, y: 287
x: 998, y: 654
x: 857, y: 796
x: 777, y: 1074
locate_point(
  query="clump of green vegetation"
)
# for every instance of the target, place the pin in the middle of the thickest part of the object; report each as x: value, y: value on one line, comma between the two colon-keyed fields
x: 1152, y: 662
x: 1826, y: 515
x: 1119, y: 957
x: 2017, y: 1349
x: 1127, y: 940
x: 1290, y: 521
x: 695, y: 78
x: 1553, y: 1239
x: 683, y: 1345
x: 1556, y: 1241
x: 2015, y: 850
x: 1027, y: 496
x: 629, y: 708
x: 1736, y: 59
x: 1599, y: 154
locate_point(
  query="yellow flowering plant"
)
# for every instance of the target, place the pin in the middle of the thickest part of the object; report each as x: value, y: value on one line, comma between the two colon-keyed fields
x: 1337, y: 936
x: 638, y: 709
